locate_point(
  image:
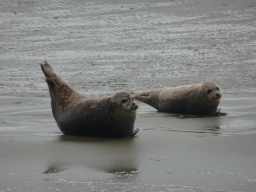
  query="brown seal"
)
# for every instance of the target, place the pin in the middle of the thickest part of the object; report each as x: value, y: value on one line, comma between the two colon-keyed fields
x: 197, y: 99
x: 77, y: 115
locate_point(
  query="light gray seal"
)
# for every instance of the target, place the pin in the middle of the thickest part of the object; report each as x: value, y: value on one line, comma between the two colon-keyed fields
x: 197, y: 99
x: 77, y: 115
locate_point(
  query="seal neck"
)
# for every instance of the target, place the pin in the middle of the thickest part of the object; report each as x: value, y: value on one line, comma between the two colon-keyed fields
x: 124, y: 121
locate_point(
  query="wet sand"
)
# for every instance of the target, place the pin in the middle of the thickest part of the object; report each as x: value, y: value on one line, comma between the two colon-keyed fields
x: 100, y: 48
x: 170, y: 153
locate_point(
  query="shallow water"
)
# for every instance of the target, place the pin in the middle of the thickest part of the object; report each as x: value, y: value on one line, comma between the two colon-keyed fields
x: 103, y: 47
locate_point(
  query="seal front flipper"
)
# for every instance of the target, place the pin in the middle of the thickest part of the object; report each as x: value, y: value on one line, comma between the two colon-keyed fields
x: 133, y: 133
x: 217, y: 112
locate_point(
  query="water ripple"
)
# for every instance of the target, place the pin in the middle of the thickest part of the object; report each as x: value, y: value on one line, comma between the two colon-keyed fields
x: 100, y: 48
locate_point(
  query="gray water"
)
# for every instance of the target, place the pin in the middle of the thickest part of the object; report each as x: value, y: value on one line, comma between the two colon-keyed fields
x: 103, y: 47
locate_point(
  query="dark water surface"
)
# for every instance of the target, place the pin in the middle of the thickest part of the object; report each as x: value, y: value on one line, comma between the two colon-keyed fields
x: 103, y: 47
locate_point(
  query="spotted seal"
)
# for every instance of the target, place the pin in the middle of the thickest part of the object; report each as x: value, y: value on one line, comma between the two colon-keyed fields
x: 196, y: 99
x: 77, y: 115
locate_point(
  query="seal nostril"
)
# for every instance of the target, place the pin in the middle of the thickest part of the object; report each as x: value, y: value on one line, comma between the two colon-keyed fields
x: 134, y: 105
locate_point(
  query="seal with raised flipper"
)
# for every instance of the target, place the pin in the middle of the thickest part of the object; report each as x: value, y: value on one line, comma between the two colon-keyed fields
x: 196, y: 99
x: 77, y: 115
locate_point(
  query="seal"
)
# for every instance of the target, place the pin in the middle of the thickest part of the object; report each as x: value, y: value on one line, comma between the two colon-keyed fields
x: 196, y: 99
x: 77, y: 115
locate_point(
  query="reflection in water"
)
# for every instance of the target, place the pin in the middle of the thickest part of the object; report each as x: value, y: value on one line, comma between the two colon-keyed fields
x: 78, y: 139
x: 185, y: 116
x: 54, y: 168
x: 182, y: 122
x: 214, y: 128
x: 123, y: 170
x: 211, y: 131
x: 111, y: 155
x: 123, y: 174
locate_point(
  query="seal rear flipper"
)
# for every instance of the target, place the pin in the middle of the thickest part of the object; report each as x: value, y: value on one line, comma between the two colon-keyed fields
x: 47, y: 70
x: 141, y: 93
x: 57, y: 87
x: 49, y: 73
x: 143, y: 99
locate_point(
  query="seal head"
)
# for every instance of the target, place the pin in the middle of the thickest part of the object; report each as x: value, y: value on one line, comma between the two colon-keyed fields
x: 196, y: 99
x: 125, y: 110
x: 211, y: 93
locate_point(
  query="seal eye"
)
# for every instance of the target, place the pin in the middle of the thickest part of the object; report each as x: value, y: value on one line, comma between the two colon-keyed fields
x: 209, y: 91
x: 217, y: 88
x: 124, y: 100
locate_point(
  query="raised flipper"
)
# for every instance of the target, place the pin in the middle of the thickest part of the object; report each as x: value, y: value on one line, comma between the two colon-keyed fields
x: 50, y: 77
x: 57, y: 87
x: 47, y: 70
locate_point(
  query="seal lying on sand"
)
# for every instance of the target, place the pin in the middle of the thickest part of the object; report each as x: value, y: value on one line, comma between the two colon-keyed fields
x: 197, y: 99
x: 76, y: 115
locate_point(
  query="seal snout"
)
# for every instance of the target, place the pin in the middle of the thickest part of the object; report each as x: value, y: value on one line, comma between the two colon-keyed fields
x: 134, y: 106
x: 218, y: 95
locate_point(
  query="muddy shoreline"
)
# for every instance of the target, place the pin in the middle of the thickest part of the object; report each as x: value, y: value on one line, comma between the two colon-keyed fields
x: 103, y: 47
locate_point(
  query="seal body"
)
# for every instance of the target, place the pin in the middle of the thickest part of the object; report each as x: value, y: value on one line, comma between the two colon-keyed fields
x: 197, y: 99
x: 77, y: 115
